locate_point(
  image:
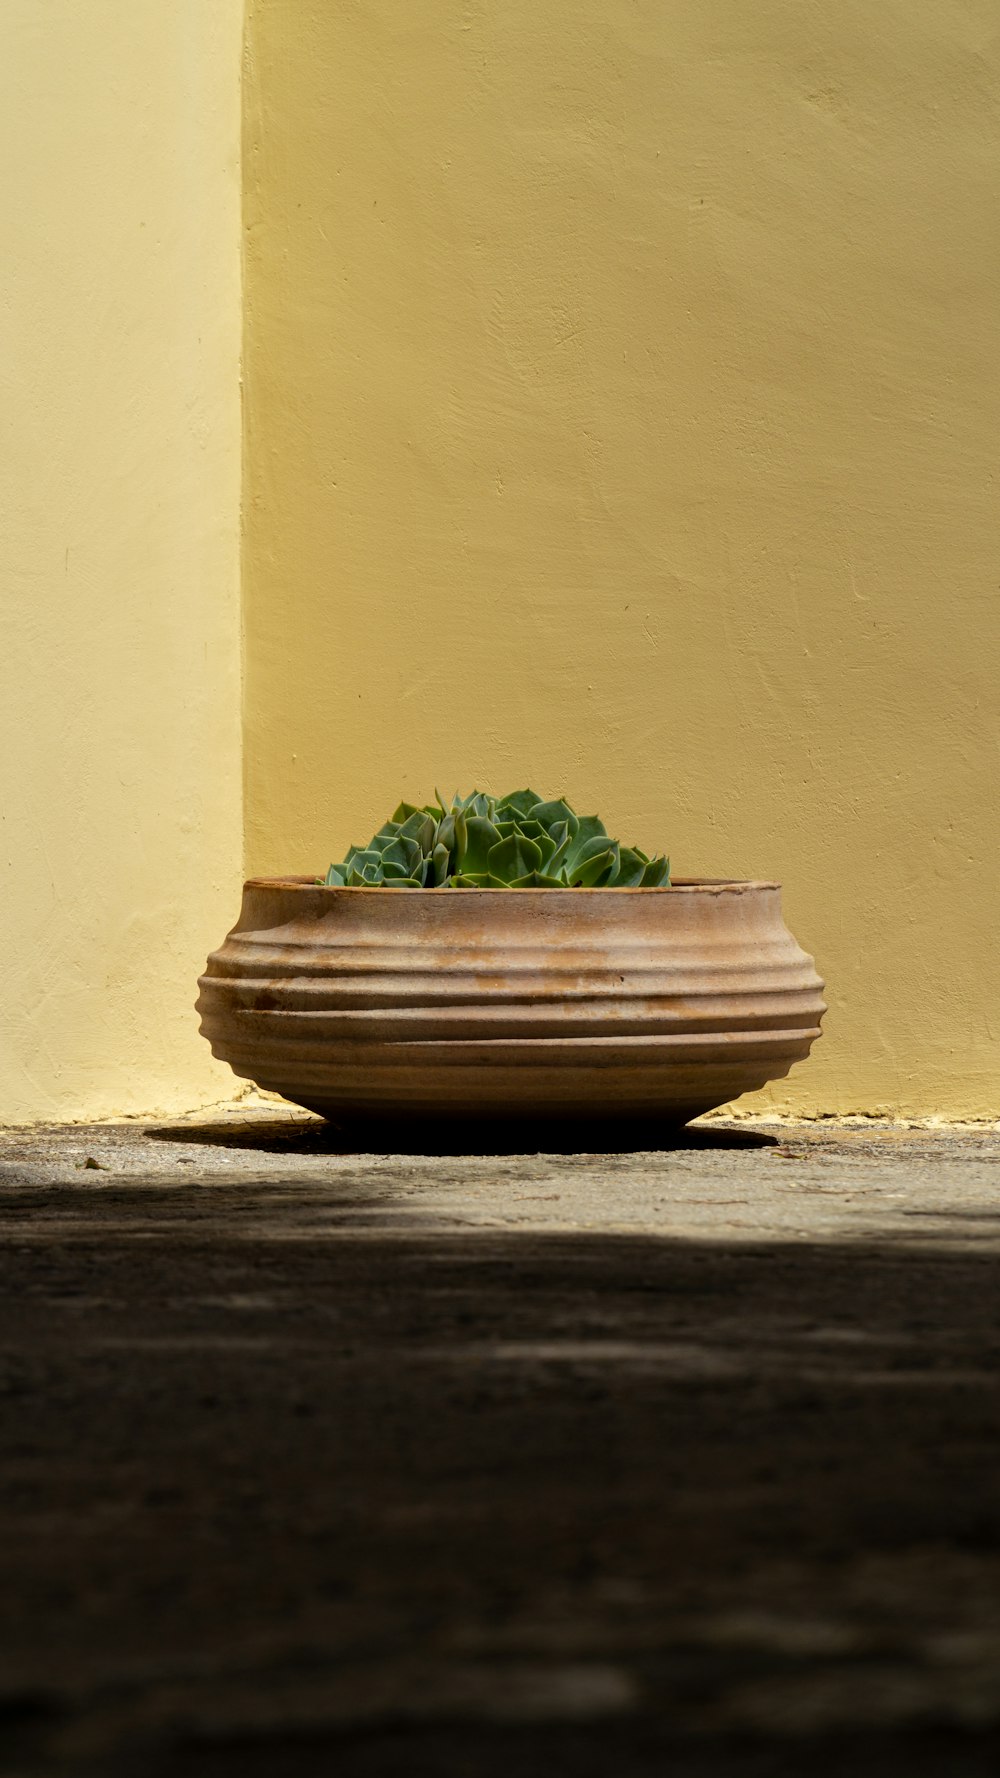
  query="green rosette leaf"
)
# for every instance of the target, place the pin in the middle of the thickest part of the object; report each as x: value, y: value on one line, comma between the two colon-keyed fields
x: 404, y: 854
x: 420, y: 827
x: 445, y: 832
x: 480, y: 837
x: 561, y: 837
x: 361, y: 856
x: 553, y: 815
x: 611, y: 875
x: 513, y: 857
x: 580, y: 855
x: 657, y: 874
x: 631, y: 868
x: 589, y: 828
x: 365, y: 876
x: 592, y: 870
x: 517, y: 803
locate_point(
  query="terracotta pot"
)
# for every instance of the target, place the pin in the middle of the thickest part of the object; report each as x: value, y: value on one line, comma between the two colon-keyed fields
x: 535, y: 1002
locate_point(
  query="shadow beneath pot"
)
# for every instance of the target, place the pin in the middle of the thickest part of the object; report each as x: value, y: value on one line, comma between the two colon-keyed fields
x: 456, y: 1137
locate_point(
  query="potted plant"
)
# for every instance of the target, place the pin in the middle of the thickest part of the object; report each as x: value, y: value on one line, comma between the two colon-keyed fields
x: 506, y: 955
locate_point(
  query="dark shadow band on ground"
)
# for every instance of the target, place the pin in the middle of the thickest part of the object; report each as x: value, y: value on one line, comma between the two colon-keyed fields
x: 289, y: 1493
x: 452, y: 1137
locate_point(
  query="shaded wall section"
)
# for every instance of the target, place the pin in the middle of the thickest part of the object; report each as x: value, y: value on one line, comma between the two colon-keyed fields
x: 119, y: 480
x: 622, y: 406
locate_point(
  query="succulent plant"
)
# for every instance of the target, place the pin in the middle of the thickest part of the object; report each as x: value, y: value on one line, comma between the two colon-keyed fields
x: 484, y: 842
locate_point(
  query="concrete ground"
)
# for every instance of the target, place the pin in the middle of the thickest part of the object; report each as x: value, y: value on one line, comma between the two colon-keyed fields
x: 682, y: 1461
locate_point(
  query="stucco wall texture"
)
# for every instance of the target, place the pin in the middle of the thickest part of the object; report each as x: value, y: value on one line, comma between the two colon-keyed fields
x: 621, y: 404
x: 622, y: 401
x: 119, y: 484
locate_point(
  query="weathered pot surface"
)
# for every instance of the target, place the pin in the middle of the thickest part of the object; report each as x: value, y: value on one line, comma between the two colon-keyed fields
x: 539, y: 1003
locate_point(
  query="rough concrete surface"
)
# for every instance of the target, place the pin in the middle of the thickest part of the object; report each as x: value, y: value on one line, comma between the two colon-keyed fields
x: 675, y: 1461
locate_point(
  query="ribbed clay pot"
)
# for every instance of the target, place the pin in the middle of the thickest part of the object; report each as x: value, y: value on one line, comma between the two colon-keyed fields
x: 541, y: 1003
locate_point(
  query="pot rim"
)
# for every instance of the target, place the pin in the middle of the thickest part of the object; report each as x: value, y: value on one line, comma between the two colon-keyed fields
x: 683, y: 885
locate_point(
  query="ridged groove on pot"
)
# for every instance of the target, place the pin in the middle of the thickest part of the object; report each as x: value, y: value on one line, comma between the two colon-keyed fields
x: 659, y: 1001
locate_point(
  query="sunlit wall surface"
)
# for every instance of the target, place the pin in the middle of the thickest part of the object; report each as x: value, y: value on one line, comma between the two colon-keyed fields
x: 622, y: 404
x: 120, y: 806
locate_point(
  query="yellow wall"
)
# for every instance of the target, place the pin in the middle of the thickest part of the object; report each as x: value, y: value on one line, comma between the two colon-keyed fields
x: 119, y: 485
x: 623, y: 400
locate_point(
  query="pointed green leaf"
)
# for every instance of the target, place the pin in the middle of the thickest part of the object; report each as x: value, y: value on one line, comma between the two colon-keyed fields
x: 554, y: 814
x: 393, y: 852
x: 419, y: 827
x: 547, y: 847
x: 611, y: 874
x: 406, y: 852
x: 513, y: 857
x: 518, y: 802
x: 537, y: 879
x: 359, y: 856
x: 335, y: 877
x: 656, y: 874
x: 445, y: 835
x: 578, y: 854
x: 561, y: 836
x: 365, y: 876
x: 631, y: 868
x: 586, y: 874
x: 481, y: 836
x: 521, y: 828
x: 589, y: 827
x: 441, y: 865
